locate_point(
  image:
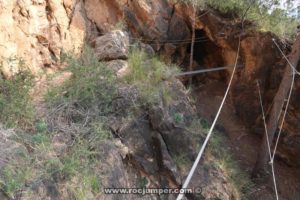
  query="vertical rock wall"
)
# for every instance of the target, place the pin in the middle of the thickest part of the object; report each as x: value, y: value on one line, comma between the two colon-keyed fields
x: 37, y: 31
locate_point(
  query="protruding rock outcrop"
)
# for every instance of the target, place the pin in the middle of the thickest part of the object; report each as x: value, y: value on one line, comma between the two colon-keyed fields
x: 112, y: 46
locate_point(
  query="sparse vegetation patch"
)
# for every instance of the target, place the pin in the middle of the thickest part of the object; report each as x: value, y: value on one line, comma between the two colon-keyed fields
x: 148, y: 74
x: 16, y: 109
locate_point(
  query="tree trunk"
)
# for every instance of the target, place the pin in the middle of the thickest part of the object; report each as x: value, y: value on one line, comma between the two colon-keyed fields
x: 261, y: 166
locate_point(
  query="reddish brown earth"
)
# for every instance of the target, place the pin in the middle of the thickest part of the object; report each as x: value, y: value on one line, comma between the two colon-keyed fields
x: 244, y: 144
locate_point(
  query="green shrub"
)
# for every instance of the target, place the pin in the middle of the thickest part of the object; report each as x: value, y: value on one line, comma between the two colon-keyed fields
x: 92, y: 182
x: 80, y: 158
x: 266, y: 15
x: 276, y: 20
x: 142, y: 182
x: 92, y: 86
x: 230, y: 168
x: 84, y: 100
x: 14, y: 180
x: 41, y: 126
x: 148, y: 75
x: 16, y: 109
x: 80, y: 162
x: 199, y: 128
x: 181, y: 161
x: 98, y: 133
x: 178, y: 118
x: 39, y: 138
x: 42, y: 163
x: 228, y: 6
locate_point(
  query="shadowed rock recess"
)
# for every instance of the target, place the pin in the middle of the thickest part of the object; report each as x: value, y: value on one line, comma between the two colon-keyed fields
x: 154, y: 147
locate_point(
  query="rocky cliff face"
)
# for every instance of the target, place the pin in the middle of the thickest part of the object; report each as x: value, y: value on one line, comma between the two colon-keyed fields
x: 38, y: 31
x: 153, y: 148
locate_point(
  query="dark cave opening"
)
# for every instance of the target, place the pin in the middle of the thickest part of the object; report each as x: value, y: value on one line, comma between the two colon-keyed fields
x: 207, y: 55
x: 205, y: 50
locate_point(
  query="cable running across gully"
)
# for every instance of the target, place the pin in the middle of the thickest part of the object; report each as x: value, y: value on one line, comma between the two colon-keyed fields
x: 272, y: 154
x: 268, y: 141
x: 294, y: 68
x: 288, y: 100
x: 177, y: 41
x: 206, y: 70
x: 192, y: 171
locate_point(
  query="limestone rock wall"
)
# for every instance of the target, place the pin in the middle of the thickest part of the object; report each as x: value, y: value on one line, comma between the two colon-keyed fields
x: 37, y: 31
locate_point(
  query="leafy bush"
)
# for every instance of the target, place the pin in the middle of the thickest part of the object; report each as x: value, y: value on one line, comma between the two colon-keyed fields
x: 14, y: 180
x: 84, y: 100
x: 16, y: 108
x: 92, y: 85
x: 86, y: 97
x: 149, y: 75
x: 178, y: 118
x: 230, y: 168
x: 267, y: 15
x: 280, y: 23
x: 80, y: 162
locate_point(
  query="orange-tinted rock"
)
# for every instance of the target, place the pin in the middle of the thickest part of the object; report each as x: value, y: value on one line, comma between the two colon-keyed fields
x: 105, y: 13
x: 37, y: 31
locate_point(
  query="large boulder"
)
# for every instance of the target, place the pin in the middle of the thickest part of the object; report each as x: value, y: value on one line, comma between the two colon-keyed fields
x: 112, y: 46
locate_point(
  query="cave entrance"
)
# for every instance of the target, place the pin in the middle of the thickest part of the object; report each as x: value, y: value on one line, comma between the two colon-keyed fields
x: 207, y: 55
